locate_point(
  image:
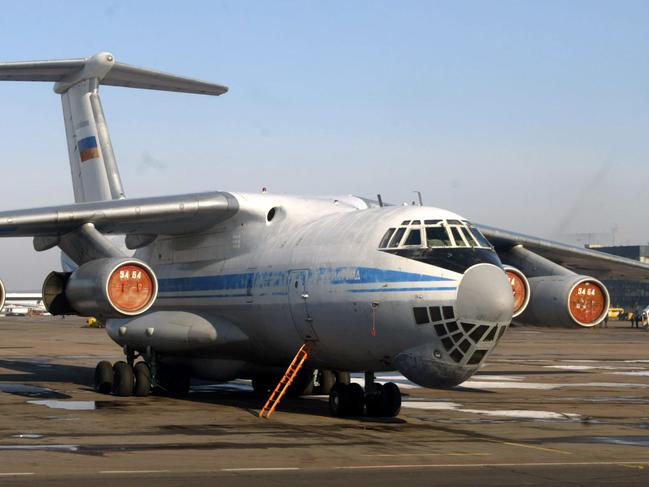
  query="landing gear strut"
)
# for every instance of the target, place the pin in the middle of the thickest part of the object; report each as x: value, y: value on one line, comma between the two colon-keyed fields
x: 351, y: 400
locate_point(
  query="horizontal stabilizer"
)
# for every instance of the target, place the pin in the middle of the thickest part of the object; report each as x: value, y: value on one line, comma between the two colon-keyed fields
x: 103, y: 67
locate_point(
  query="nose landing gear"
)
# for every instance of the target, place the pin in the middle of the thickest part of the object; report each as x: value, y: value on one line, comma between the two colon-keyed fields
x: 379, y: 400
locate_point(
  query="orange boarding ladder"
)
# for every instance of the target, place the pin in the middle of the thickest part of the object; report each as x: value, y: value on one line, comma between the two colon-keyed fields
x: 283, y: 385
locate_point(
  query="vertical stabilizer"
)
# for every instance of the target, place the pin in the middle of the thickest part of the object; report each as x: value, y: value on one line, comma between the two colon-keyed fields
x: 95, y: 175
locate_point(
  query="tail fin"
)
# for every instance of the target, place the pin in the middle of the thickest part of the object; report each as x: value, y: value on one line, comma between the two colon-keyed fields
x: 95, y: 175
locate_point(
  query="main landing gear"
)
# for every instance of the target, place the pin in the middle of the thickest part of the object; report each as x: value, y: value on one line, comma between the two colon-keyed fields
x: 380, y: 400
x: 127, y: 378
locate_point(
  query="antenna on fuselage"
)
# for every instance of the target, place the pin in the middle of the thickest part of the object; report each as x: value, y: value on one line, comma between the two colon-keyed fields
x: 421, y: 202
x: 378, y: 196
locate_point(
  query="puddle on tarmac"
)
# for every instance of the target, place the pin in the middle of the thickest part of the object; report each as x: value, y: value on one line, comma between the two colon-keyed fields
x: 79, y: 405
x: 28, y: 390
x: 610, y: 440
x: 630, y: 399
x: 41, y: 447
x: 522, y: 414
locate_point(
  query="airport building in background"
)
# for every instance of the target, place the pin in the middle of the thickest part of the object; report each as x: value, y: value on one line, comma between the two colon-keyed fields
x: 630, y: 295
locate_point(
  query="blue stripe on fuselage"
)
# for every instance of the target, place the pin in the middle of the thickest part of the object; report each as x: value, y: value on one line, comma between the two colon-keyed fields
x: 279, y: 279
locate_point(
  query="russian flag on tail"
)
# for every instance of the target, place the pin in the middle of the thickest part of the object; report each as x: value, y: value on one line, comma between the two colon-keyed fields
x: 88, y: 148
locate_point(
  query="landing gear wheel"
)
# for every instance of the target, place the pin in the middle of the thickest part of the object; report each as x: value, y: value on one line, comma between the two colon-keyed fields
x: 355, y: 400
x: 338, y: 399
x: 142, y: 375
x: 122, y: 379
x: 302, y: 384
x: 104, y: 377
x: 373, y: 401
x: 326, y: 379
x: 390, y: 400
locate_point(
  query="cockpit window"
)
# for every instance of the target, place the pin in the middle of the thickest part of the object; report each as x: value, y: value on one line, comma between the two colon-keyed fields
x: 458, y: 237
x: 394, y: 242
x: 437, y: 237
x: 414, y: 237
x: 386, y: 238
x: 482, y: 240
x: 434, y: 234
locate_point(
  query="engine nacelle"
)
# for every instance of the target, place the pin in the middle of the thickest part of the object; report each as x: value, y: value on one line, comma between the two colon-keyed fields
x: 520, y: 288
x: 565, y: 301
x: 110, y: 288
x: 3, y: 295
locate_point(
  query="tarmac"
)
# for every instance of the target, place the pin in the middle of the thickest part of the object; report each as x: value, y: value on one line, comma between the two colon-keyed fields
x: 551, y: 407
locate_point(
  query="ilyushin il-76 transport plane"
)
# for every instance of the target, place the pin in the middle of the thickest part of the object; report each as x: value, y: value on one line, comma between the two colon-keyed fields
x: 224, y: 285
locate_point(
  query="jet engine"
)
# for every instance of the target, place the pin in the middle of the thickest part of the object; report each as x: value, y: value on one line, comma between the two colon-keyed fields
x: 565, y: 301
x: 3, y: 295
x: 520, y: 288
x: 110, y: 288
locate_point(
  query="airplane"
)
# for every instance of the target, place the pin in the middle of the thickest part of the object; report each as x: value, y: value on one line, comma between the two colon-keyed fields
x: 225, y: 285
x: 20, y: 304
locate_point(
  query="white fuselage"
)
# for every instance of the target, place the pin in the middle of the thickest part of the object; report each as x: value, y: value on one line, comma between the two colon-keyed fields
x: 315, y: 272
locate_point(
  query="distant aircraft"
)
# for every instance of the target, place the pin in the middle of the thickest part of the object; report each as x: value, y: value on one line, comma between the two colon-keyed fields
x: 20, y: 304
x: 229, y: 285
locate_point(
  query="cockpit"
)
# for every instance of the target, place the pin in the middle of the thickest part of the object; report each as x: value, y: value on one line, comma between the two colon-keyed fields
x: 448, y: 243
x: 433, y: 234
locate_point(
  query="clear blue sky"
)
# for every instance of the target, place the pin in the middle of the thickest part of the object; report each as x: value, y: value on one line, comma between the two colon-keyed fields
x: 527, y: 115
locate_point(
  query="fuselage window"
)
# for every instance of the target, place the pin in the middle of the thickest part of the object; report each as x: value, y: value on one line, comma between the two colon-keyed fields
x: 414, y: 237
x: 459, y: 239
x: 386, y: 238
x: 437, y: 237
x: 416, y: 222
x: 432, y: 222
x: 405, y: 222
x: 397, y: 237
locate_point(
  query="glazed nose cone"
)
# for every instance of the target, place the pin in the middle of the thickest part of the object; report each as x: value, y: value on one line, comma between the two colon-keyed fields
x: 485, y: 295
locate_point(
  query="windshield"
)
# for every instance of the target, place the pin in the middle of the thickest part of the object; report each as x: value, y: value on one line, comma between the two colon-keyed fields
x: 433, y: 234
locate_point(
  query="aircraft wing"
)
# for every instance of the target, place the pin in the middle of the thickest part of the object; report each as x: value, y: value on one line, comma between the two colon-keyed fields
x: 583, y: 261
x: 168, y: 215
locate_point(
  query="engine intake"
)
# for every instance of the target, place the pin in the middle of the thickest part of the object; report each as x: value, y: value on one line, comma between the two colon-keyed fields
x: 3, y: 295
x: 111, y: 288
x: 520, y: 287
x: 566, y: 301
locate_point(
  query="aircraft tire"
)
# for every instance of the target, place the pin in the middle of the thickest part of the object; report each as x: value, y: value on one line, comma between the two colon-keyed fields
x: 374, y: 401
x: 390, y: 400
x: 339, y: 400
x: 123, y: 379
x: 302, y: 385
x: 327, y: 379
x: 142, y: 379
x: 355, y: 400
x: 104, y: 377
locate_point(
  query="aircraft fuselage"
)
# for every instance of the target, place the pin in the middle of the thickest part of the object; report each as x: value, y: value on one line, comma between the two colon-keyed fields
x: 284, y: 270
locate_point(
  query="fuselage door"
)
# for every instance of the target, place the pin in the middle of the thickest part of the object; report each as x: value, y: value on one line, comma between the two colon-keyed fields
x: 298, y: 300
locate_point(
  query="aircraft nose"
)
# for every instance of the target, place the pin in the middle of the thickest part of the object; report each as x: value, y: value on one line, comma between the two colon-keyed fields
x: 484, y: 295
